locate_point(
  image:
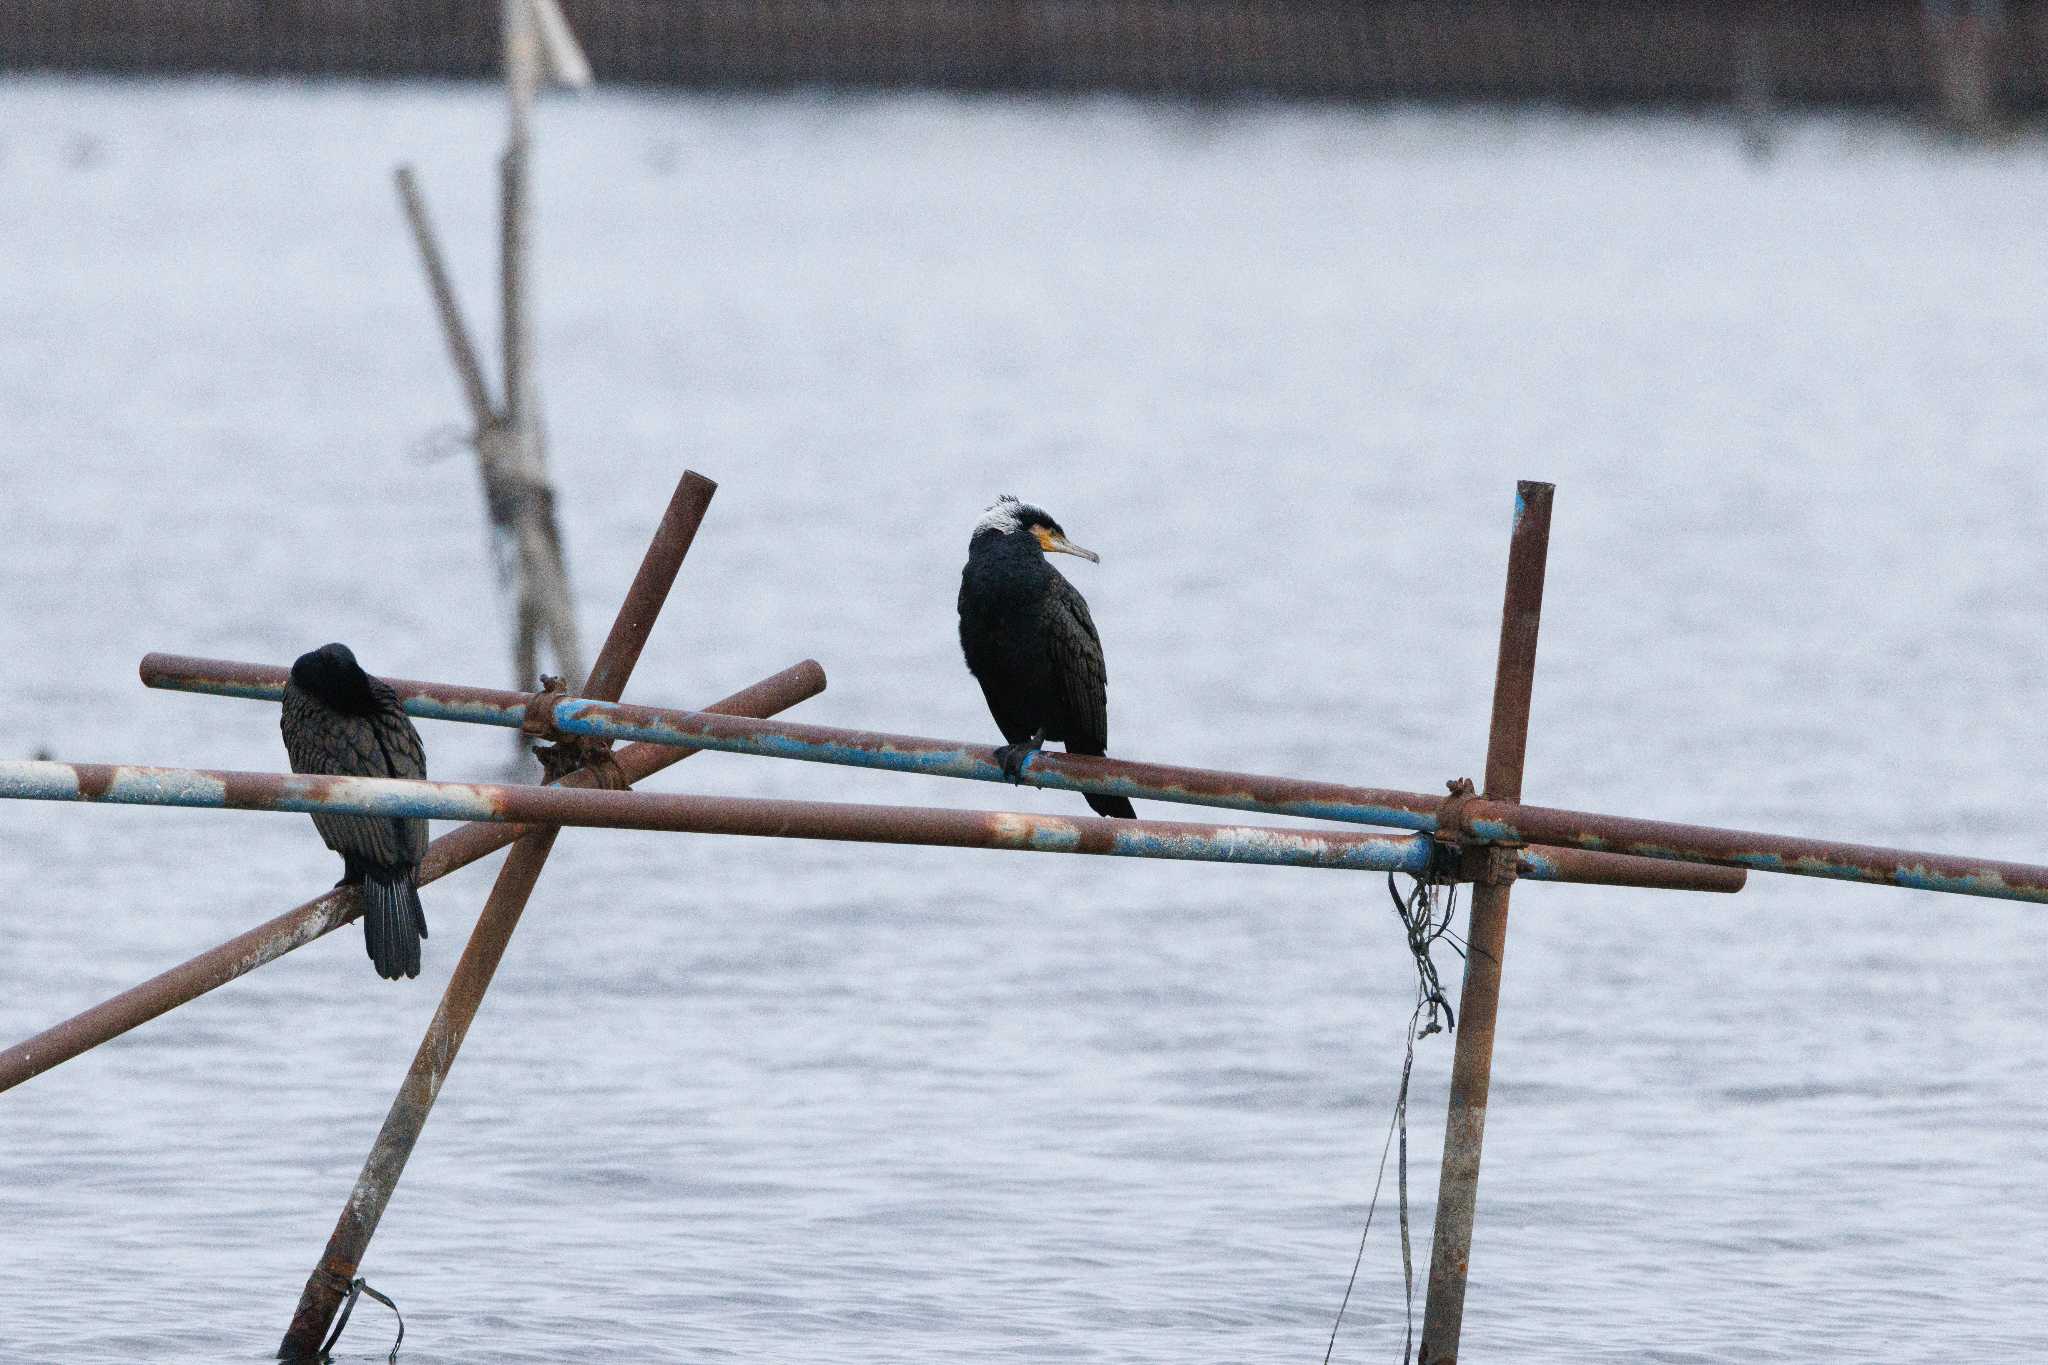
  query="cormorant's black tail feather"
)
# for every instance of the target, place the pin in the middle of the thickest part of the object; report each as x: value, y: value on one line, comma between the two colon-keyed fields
x: 393, y: 923
x: 1115, y: 807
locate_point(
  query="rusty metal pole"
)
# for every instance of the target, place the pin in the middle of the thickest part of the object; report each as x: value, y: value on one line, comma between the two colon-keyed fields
x: 329, y: 1283
x: 331, y: 1279
x: 1487, y: 935
x: 567, y: 805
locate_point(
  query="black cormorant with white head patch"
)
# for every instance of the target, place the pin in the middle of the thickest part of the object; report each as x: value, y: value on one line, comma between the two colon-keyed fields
x: 1030, y: 642
x: 341, y: 721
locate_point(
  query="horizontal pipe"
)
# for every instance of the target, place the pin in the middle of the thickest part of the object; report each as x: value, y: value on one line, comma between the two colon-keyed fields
x: 493, y: 803
x: 1538, y: 863
x: 942, y: 758
x: 1506, y: 822
x: 265, y: 682
x: 297, y: 927
x: 586, y: 807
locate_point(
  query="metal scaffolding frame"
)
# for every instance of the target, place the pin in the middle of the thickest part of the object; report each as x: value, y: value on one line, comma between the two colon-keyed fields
x: 1485, y: 836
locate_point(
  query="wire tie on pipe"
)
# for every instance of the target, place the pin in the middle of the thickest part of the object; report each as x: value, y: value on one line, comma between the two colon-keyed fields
x: 356, y: 1289
x: 540, y: 709
x: 567, y: 753
x: 1450, y: 812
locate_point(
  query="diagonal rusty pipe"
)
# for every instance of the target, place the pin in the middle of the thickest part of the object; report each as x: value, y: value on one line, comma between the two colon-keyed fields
x: 331, y: 1278
x: 295, y: 928
x: 1487, y: 935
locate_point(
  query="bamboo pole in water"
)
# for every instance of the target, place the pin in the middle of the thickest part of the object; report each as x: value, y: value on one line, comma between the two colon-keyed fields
x: 509, y: 434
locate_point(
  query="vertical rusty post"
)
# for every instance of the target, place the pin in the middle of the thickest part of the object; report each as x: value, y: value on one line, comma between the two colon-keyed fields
x: 329, y: 1283
x: 1487, y: 935
x: 649, y: 589
x: 330, y: 1280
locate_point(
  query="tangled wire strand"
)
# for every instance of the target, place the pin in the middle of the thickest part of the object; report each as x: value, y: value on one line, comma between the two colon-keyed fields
x: 1424, y: 922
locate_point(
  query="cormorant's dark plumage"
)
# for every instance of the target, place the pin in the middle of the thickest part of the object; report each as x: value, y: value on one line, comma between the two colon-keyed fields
x: 340, y: 720
x: 1030, y: 642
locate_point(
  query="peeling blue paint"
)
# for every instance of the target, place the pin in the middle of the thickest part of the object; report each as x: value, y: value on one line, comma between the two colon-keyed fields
x: 164, y: 787
x: 1054, y: 839
x: 472, y: 712
x: 37, y: 781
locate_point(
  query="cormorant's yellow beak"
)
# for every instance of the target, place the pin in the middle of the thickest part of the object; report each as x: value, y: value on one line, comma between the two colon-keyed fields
x: 1053, y: 543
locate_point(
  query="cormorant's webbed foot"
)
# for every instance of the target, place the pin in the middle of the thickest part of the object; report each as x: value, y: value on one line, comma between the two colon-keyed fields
x: 1012, y: 757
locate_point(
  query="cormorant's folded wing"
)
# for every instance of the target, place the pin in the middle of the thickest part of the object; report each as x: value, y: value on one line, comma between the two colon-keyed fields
x: 404, y: 756
x: 1079, y: 674
x: 325, y: 741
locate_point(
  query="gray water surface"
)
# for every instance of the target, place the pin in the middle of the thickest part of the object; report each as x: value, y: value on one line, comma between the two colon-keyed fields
x: 763, y: 1101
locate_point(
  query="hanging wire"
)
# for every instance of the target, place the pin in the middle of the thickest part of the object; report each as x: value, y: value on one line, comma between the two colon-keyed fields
x: 1419, y: 917
x: 1400, y: 1108
x: 1423, y: 923
x: 356, y: 1289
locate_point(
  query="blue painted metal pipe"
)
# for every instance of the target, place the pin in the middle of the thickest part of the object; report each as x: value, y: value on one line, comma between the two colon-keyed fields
x: 494, y: 802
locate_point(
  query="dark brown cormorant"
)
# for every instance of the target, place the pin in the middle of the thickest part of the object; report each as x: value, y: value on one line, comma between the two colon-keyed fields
x: 1030, y: 642
x: 340, y: 720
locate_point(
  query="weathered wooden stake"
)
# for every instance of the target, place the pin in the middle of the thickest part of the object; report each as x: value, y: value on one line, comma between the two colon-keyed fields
x: 509, y: 436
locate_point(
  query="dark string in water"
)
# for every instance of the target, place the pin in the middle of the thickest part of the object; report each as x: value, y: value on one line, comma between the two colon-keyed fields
x: 1423, y: 926
x: 356, y: 1289
x: 1359, y: 1259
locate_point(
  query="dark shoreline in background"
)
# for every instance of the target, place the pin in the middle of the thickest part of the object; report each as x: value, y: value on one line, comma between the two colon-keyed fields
x: 1879, y: 53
